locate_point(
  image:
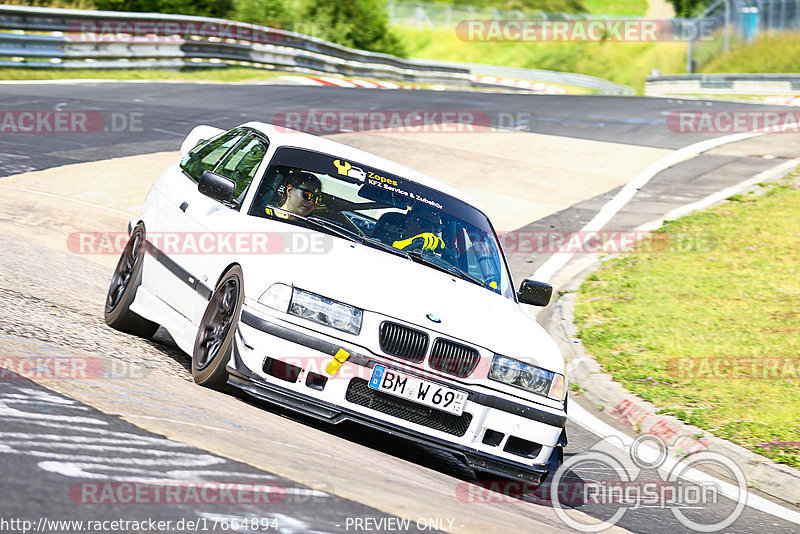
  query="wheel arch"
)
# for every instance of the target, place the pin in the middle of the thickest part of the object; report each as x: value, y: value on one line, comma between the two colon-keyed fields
x: 225, y: 270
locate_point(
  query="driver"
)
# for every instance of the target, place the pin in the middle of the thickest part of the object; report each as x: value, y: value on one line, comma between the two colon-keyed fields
x: 301, y: 195
x: 423, y: 224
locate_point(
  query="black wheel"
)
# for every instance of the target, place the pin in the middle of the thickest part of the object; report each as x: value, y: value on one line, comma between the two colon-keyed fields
x: 214, y: 342
x: 122, y: 291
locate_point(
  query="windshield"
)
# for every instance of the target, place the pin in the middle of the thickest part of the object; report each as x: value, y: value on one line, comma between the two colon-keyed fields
x: 379, y: 209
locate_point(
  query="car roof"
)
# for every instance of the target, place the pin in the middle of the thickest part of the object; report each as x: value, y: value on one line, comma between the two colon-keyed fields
x: 288, y: 137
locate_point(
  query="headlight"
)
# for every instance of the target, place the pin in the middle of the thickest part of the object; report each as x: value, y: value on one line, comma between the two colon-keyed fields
x: 320, y: 309
x: 528, y: 377
x: 313, y: 307
x: 277, y: 297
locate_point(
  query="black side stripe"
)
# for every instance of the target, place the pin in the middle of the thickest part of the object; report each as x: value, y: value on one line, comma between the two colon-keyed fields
x: 179, y: 271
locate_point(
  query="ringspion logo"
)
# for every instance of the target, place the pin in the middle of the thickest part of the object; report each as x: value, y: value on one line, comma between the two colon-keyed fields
x: 609, y: 474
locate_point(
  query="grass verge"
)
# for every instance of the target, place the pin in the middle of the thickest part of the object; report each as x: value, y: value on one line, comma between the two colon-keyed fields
x: 710, y: 335
x: 616, y: 8
x: 626, y: 63
x: 226, y: 74
x: 773, y: 53
x: 229, y: 74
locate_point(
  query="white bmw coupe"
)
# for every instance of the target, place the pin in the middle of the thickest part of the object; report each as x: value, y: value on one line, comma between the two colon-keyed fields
x: 344, y: 286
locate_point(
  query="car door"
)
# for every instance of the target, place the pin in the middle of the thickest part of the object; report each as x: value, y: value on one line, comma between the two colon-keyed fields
x: 223, y: 234
x: 174, y: 229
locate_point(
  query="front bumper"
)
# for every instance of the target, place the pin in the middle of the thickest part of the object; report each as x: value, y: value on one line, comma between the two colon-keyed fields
x: 345, y: 397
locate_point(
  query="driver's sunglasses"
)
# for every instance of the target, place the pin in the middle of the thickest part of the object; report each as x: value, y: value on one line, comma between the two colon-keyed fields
x: 427, y: 223
x: 310, y: 196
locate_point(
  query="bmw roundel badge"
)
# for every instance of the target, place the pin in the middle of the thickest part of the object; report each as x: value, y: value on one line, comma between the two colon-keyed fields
x: 433, y: 317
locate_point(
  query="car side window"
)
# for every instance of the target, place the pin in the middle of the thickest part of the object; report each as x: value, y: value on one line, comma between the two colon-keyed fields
x: 206, y: 156
x: 241, y: 163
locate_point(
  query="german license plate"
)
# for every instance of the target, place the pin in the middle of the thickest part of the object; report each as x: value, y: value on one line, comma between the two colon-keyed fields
x: 418, y: 390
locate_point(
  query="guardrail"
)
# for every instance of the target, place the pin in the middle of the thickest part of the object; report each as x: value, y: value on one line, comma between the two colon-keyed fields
x: 600, y: 85
x: 72, y: 38
x: 723, y: 84
x: 79, y: 38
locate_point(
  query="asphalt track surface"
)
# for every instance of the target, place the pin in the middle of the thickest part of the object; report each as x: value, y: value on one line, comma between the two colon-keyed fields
x: 164, y: 113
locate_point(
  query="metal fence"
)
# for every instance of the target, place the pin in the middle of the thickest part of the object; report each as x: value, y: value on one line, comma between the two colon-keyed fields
x: 68, y: 38
x: 723, y: 84
x: 746, y: 18
x: 730, y: 23
x: 44, y: 37
x: 594, y: 83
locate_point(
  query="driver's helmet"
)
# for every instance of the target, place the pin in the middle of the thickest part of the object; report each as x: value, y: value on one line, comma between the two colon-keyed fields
x: 424, y: 216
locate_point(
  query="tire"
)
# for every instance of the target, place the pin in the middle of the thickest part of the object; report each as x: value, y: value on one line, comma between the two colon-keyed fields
x: 214, y: 342
x: 122, y: 290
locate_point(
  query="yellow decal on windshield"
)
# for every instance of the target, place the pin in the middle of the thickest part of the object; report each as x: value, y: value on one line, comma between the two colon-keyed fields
x: 342, y: 167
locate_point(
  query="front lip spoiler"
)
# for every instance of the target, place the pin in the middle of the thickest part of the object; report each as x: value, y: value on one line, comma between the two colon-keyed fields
x: 244, y: 379
x: 312, y: 342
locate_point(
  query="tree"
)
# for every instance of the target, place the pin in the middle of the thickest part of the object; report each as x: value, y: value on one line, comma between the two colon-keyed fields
x: 361, y: 24
x: 687, y: 8
x: 265, y: 12
x: 205, y: 8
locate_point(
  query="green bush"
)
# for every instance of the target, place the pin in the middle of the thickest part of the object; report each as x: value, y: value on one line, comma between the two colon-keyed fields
x: 264, y: 12
x: 771, y: 52
x: 688, y: 8
x: 548, y: 6
x: 362, y: 24
x: 206, y: 8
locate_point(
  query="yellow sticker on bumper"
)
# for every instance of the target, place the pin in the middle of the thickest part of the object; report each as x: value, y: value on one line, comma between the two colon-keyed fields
x: 333, y: 367
x: 336, y: 363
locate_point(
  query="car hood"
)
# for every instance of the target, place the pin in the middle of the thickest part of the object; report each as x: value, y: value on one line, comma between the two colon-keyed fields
x: 384, y: 283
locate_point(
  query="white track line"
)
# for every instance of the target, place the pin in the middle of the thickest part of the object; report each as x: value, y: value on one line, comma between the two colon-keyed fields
x: 558, y: 260
x: 612, y: 207
x: 719, y: 196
